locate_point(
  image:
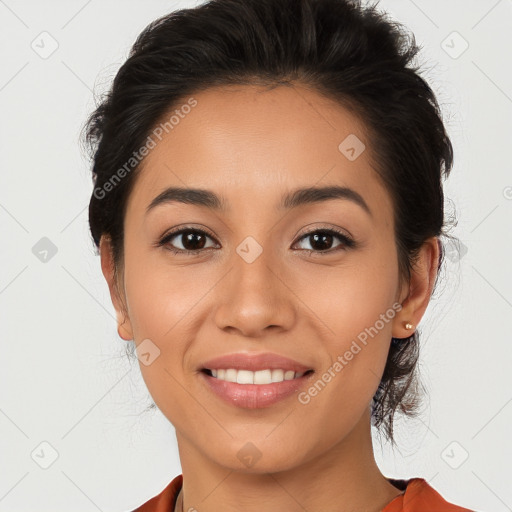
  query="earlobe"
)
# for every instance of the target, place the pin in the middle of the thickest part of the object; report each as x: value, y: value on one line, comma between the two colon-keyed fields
x: 421, y: 284
x: 123, y: 333
x: 124, y: 328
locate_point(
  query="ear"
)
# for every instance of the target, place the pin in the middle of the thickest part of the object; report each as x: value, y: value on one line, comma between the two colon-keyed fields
x: 124, y: 327
x: 420, y: 287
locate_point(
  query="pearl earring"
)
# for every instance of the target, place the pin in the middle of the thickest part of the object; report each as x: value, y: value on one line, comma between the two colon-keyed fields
x: 408, y: 326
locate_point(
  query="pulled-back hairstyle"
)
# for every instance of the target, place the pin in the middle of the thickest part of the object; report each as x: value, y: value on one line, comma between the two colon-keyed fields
x: 352, y: 54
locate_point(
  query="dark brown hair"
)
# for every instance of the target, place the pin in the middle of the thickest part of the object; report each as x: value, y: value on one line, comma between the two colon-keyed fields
x: 347, y: 52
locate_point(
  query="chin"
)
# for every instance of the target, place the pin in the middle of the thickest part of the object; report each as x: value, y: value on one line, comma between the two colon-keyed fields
x: 254, y: 457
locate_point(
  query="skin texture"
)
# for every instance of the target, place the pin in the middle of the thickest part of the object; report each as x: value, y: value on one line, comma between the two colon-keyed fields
x: 251, y: 145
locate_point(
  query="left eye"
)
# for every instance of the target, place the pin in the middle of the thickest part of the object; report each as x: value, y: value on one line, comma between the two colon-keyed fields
x: 325, y: 237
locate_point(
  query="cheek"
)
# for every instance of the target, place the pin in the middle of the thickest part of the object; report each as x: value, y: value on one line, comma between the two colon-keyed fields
x: 158, y: 295
x: 356, y: 312
x: 352, y: 300
x: 158, y: 307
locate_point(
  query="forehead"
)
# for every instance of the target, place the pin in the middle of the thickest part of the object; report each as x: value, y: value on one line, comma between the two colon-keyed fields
x: 250, y: 143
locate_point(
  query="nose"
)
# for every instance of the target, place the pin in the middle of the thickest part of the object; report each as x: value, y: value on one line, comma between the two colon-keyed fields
x: 254, y: 297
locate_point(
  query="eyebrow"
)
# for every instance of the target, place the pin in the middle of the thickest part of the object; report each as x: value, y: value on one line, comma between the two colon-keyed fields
x: 290, y: 200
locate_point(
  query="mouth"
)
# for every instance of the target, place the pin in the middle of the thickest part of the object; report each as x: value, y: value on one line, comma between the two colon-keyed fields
x: 260, y: 389
x: 260, y: 377
x: 254, y: 380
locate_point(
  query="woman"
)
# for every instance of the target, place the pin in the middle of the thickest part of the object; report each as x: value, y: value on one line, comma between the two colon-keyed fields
x: 268, y: 206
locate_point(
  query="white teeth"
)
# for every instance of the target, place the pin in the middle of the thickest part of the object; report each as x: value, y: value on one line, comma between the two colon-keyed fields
x: 277, y: 375
x: 259, y: 377
x: 245, y: 377
x: 263, y: 377
x: 230, y: 375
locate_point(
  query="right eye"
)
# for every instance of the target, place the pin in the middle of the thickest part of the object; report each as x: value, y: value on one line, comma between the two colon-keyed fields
x: 192, y: 240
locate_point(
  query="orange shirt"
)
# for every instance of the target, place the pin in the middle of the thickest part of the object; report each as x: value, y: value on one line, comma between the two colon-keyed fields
x: 419, y: 496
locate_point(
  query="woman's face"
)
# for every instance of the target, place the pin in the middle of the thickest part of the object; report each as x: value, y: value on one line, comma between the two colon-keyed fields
x: 253, y: 287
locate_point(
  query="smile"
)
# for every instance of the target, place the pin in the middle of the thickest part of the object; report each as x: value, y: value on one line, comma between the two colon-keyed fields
x: 242, y: 391
x: 261, y: 377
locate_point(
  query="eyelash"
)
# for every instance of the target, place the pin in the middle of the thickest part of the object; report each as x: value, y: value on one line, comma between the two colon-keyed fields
x: 347, y: 242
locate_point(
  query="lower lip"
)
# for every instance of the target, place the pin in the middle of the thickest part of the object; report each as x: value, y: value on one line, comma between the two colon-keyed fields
x: 254, y: 396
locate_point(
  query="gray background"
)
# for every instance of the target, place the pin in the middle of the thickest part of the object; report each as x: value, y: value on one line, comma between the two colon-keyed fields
x: 67, y: 390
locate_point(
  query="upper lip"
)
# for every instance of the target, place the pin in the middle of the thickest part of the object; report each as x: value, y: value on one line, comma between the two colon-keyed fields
x: 254, y: 362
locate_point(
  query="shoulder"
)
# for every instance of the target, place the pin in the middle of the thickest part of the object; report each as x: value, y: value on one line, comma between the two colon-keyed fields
x: 419, y: 496
x: 165, y: 500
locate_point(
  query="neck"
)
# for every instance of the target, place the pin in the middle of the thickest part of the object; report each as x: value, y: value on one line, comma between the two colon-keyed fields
x: 345, y: 478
